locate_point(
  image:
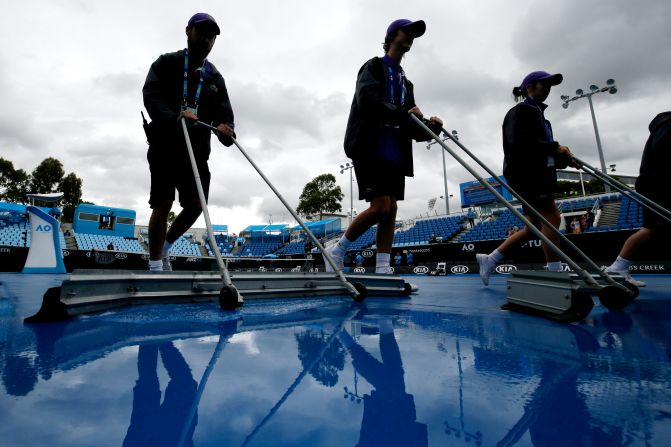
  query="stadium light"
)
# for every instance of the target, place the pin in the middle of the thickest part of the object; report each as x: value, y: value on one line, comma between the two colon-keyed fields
x: 447, y: 196
x: 349, y: 167
x: 594, y: 89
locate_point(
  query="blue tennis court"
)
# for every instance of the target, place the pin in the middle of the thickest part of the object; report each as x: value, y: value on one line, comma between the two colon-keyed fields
x: 446, y: 367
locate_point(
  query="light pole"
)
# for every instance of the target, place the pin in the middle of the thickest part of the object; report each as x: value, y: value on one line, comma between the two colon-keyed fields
x: 349, y: 167
x: 610, y: 88
x: 428, y: 147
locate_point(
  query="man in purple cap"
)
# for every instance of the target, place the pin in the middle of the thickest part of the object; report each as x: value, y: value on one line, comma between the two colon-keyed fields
x: 531, y: 159
x: 182, y: 84
x: 379, y: 140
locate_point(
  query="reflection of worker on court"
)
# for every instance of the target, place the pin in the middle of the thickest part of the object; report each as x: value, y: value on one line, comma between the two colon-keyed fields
x: 389, y: 416
x: 153, y: 422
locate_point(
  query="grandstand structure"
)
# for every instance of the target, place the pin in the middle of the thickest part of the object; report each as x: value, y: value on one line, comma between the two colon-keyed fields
x: 104, y: 228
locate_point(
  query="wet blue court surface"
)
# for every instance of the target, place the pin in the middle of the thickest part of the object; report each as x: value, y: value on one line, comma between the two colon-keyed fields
x: 444, y: 368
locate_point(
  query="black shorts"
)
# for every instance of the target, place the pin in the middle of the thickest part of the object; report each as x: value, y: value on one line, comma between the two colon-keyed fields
x: 541, y: 200
x: 170, y: 173
x: 652, y: 220
x: 379, y: 180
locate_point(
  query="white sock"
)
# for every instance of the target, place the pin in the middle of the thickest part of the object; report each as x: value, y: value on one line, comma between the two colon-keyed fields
x: 166, y: 248
x: 341, y: 247
x: 620, y: 264
x: 496, y: 256
x: 156, y: 266
x: 554, y: 266
x: 382, y: 262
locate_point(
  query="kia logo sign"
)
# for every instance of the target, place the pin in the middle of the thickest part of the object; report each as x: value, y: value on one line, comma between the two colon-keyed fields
x: 278, y: 269
x: 367, y: 253
x: 459, y: 269
x: 262, y: 269
x: 421, y: 270
x: 66, y: 253
x: 505, y: 268
x: 359, y: 270
x: 121, y: 255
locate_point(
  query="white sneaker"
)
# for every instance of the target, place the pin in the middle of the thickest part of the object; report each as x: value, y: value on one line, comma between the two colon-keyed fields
x: 339, y: 261
x: 167, y: 265
x: 485, y: 267
x: 627, y: 277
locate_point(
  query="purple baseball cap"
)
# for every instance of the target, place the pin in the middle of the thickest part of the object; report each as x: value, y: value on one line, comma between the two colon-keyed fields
x: 416, y: 29
x: 534, y: 76
x: 202, y: 17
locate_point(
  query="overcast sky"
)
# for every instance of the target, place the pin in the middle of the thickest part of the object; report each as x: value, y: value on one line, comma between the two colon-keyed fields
x: 71, y: 74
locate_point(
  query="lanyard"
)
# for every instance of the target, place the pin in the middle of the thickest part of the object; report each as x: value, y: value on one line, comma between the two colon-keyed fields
x: 186, y: 79
x: 391, y: 84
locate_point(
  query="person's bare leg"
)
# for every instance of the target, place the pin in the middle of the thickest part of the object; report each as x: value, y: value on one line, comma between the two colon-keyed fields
x: 385, y: 226
x: 158, y: 227
x: 554, y: 218
x: 634, y: 243
x: 486, y: 263
x: 376, y: 211
x: 367, y: 218
x: 184, y: 220
x: 629, y: 252
x: 385, y: 234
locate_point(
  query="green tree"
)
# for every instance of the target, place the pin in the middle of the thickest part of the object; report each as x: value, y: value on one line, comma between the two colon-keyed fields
x: 320, y: 195
x: 13, y: 182
x: 71, y: 187
x: 47, y: 176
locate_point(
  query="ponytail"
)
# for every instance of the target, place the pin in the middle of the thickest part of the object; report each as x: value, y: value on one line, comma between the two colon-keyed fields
x: 518, y: 94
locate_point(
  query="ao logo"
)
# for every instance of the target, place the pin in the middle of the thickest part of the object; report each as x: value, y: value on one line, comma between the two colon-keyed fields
x: 459, y: 269
x: 505, y: 268
x: 359, y: 270
x: 468, y: 247
x: 421, y: 270
x: 43, y: 228
x: 262, y: 269
x: 296, y: 269
x: 367, y: 253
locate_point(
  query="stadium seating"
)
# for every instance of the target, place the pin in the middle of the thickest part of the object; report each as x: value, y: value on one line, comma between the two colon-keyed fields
x: 260, y: 247
x: 420, y: 233
x: 495, y: 228
x: 87, y: 241
x: 365, y: 240
x: 224, y: 243
x: 292, y: 248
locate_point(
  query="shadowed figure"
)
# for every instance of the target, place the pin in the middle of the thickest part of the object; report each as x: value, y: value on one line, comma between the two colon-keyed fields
x: 156, y: 423
x: 389, y: 416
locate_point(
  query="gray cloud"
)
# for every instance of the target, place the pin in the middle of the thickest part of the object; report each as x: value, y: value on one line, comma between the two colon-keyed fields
x: 77, y: 94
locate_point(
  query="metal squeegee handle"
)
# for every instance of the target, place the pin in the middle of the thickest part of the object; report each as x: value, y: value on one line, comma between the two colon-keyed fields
x: 203, y: 204
x: 586, y: 276
x: 293, y: 213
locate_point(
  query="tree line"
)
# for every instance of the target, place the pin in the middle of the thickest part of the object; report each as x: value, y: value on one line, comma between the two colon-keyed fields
x: 47, y: 177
